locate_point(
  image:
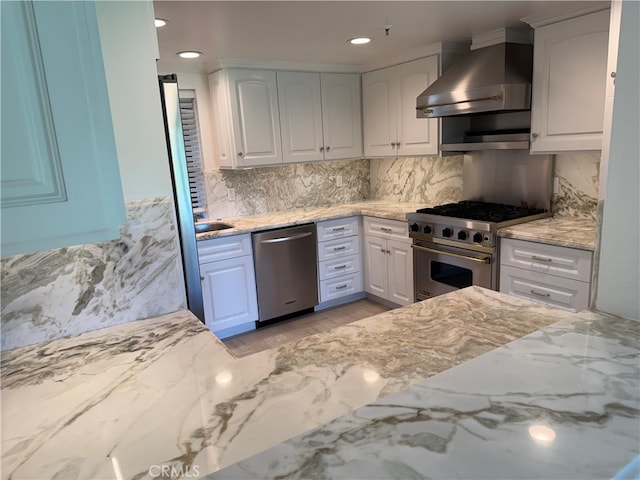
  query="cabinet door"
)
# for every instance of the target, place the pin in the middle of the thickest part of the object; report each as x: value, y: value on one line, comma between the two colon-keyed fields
x: 229, y: 293
x: 60, y: 178
x: 379, y: 107
x: 341, y: 118
x: 400, y: 271
x: 375, y: 266
x: 569, y: 84
x: 256, y: 125
x: 300, y: 116
x: 417, y: 136
x: 221, y: 109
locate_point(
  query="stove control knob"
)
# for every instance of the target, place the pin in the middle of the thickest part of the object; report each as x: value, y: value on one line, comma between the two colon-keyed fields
x: 447, y: 232
x: 477, y: 237
x: 414, y: 227
x: 462, y: 235
x: 427, y: 229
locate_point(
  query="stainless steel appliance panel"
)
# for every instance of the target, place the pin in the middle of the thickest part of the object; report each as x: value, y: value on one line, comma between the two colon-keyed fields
x: 286, y: 270
x: 439, y: 269
x: 512, y: 177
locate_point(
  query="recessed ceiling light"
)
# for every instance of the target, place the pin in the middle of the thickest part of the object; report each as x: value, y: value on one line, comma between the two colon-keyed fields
x: 161, y: 22
x: 189, y: 54
x: 359, y: 40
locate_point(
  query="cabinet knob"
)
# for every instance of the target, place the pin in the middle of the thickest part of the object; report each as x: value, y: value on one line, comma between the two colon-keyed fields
x: 534, y: 136
x: 613, y: 74
x: 397, y: 144
x: 201, y: 278
x: 240, y: 154
x: 328, y: 148
x: 393, y: 144
x: 322, y: 149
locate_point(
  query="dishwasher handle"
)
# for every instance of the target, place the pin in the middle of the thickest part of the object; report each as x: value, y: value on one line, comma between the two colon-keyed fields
x: 286, y: 239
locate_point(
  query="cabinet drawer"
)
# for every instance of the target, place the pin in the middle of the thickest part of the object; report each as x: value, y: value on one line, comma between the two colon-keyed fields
x: 559, y: 292
x: 338, y: 228
x: 339, y: 266
x: 224, y: 248
x: 341, y: 247
x: 550, y: 259
x: 340, y: 287
x: 381, y: 227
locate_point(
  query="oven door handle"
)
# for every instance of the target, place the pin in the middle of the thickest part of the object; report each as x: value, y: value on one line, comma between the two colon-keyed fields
x: 484, y: 261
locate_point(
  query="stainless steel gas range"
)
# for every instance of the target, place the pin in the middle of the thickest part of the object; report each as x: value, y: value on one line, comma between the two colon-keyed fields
x: 455, y: 245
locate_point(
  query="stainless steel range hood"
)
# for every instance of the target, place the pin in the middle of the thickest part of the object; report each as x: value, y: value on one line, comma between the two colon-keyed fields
x: 489, y: 79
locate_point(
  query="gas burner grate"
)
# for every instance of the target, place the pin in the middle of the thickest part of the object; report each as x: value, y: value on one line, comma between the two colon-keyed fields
x: 482, y: 211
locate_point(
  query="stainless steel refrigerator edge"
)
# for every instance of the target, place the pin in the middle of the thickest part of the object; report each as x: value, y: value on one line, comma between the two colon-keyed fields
x: 180, y: 179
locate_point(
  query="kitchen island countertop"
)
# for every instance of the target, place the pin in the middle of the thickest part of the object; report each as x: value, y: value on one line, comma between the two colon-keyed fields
x: 125, y: 401
x: 560, y: 403
x: 565, y: 231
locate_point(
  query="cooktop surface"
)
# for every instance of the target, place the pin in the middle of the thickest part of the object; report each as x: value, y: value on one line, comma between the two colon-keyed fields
x: 482, y: 211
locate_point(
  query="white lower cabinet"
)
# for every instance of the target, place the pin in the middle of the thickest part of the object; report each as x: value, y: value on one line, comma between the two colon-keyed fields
x: 339, y: 260
x: 549, y: 274
x: 388, y: 260
x: 228, y: 284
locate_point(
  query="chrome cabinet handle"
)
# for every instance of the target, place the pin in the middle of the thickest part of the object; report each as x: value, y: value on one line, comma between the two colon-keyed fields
x: 340, y: 267
x: 342, y: 287
x: 540, y: 294
x: 337, y: 249
x: 337, y: 229
x: 541, y: 259
x: 386, y: 230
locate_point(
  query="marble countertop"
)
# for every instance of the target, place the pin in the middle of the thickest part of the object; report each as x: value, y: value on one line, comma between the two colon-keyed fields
x: 563, y: 231
x: 376, y: 208
x: 131, y: 400
x: 560, y: 403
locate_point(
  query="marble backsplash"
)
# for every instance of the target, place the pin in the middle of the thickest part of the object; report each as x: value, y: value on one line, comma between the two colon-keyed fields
x: 428, y: 180
x: 578, y: 178
x: 272, y: 189
x: 67, y: 291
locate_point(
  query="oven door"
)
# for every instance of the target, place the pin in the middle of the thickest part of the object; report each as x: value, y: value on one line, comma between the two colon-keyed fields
x: 439, y: 269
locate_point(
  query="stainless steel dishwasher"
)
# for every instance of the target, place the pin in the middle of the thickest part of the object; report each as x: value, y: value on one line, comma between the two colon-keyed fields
x: 286, y: 270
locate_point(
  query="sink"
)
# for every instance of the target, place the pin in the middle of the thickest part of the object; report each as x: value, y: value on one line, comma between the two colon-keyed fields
x: 211, y: 227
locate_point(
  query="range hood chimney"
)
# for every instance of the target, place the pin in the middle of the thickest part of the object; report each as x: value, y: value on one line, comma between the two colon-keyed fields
x: 490, y: 79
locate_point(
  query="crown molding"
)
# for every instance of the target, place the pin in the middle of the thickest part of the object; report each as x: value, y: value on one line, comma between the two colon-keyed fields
x: 555, y: 15
x: 521, y: 34
x: 280, y: 65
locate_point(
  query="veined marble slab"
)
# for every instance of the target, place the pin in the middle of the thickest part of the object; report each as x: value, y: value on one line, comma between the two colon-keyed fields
x: 125, y: 401
x: 571, y: 232
x: 378, y: 208
x: 578, y: 175
x: 561, y: 403
x: 67, y: 291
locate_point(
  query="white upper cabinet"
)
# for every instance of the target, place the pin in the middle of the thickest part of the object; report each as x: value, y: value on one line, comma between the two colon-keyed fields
x: 266, y: 117
x: 300, y: 116
x: 391, y: 126
x: 341, y: 115
x: 319, y: 116
x: 60, y: 177
x: 245, y: 104
x: 569, y: 84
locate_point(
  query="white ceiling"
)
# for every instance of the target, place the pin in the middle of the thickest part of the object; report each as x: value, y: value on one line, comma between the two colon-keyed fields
x: 315, y: 32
